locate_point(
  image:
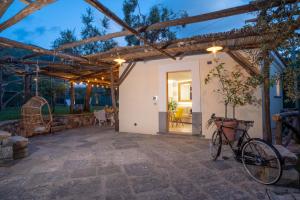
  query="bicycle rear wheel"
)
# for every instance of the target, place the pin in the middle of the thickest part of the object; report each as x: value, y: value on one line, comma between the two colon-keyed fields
x: 262, y: 161
x: 215, y: 145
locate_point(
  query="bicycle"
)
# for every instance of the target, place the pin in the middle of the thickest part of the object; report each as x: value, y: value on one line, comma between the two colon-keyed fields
x: 261, y: 160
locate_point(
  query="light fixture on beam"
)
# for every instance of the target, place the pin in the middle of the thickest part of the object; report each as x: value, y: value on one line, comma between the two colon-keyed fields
x: 119, y: 60
x: 214, y: 49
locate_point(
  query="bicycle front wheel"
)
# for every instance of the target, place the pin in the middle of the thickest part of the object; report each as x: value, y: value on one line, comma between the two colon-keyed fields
x: 215, y: 145
x: 262, y: 161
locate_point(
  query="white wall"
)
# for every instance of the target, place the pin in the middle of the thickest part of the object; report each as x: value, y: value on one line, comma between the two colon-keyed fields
x: 148, y: 79
x: 135, y: 100
x: 212, y: 102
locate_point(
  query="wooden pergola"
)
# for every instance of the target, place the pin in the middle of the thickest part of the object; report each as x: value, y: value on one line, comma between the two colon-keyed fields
x: 100, y: 68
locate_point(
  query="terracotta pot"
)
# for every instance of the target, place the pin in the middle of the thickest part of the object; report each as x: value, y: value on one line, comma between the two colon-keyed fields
x: 229, y: 132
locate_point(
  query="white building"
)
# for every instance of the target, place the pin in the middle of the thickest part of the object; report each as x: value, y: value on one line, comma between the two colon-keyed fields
x: 144, y: 94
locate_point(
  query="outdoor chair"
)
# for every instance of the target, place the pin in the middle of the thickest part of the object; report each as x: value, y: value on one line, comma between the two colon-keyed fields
x: 100, y: 116
x: 110, y: 117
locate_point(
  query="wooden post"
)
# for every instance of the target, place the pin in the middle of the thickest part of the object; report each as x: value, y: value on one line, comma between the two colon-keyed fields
x: 72, y: 97
x: 267, y: 132
x: 1, y: 87
x: 278, y: 131
x: 27, y: 84
x: 87, y: 107
x: 113, y: 100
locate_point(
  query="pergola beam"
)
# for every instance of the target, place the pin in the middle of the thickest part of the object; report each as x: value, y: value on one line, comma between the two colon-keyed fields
x: 4, y: 4
x: 243, y: 62
x: 32, y: 7
x: 126, y: 72
x: 251, y: 7
x: 11, y: 43
x: 77, y: 68
x: 119, y: 21
x: 27, y: 1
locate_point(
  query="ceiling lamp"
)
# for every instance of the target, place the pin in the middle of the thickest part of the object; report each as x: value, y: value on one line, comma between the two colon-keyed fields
x: 214, y: 49
x: 119, y: 60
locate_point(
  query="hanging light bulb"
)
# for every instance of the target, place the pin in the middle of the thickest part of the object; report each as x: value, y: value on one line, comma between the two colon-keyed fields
x: 214, y: 48
x: 119, y: 60
x: 102, y: 78
x: 95, y: 79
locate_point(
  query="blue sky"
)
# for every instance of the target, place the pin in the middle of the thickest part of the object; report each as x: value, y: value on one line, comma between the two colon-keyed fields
x: 43, y: 27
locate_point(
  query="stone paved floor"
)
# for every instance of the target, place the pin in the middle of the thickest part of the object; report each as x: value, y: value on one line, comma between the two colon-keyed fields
x: 92, y: 163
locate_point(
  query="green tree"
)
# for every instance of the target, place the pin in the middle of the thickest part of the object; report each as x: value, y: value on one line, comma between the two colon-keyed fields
x: 51, y: 89
x: 235, y: 87
x: 91, y: 30
x: 275, y: 26
x: 66, y: 36
x: 158, y: 13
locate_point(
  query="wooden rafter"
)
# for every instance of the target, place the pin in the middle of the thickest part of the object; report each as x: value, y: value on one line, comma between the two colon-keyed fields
x: 119, y: 21
x: 41, y: 62
x: 4, y: 4
x: 36, y: 5
x: 27, y: 1
x: 243, y: 62
x: 126, y: 72
x: 11, y: 43
x: 252, y: 7
x: 246, y: 38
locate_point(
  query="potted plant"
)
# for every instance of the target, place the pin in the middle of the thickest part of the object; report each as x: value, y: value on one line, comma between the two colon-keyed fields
x: 172, y: 105
x: 236, y: 89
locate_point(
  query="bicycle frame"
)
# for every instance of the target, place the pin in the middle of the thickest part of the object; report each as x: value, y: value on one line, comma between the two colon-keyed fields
x: 238, y: 148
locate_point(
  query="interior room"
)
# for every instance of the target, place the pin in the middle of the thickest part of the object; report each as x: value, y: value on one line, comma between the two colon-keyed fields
x: 180, y: 101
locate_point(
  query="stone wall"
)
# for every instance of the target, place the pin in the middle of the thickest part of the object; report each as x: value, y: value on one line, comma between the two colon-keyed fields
x: 61, y: 122
x: 75, y: 120
x: 11, y: 126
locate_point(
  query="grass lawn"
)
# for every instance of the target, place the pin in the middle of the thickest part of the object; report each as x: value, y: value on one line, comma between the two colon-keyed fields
x: 14, y: 113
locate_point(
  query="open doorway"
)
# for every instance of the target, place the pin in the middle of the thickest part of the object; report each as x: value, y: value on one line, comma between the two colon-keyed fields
x: 179, y: 100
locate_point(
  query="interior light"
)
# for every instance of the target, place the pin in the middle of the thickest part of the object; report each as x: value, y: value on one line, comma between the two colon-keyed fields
x: 119, y: 60
x: 214, y: 49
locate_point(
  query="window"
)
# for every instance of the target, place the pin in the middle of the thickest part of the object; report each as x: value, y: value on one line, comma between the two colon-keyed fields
x: 278, y: 88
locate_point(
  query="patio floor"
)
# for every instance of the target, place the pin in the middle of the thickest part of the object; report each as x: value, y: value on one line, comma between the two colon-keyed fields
x: 95, y: 163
